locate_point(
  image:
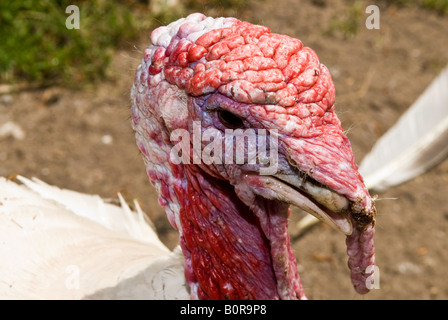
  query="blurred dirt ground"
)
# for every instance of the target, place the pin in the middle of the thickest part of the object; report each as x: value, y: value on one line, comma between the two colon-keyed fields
x: 82, y: 140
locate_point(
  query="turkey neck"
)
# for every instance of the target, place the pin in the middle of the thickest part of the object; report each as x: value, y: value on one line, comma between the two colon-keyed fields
x: 227, y: 251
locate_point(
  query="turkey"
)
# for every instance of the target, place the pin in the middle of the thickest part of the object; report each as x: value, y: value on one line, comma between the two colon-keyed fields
x: 202, y: 85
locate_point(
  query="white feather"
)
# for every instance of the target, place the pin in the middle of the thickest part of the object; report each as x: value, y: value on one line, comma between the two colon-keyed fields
x: 60, y: 244
x: 415, y: 143
x: 118, y: 219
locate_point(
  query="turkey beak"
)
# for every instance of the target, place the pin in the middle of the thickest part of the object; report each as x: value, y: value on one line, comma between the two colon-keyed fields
x: 323, y: 203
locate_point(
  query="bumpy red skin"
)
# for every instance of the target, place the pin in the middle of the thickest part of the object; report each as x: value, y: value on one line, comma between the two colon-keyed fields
x: 283, y: 81
x: 273, y: 82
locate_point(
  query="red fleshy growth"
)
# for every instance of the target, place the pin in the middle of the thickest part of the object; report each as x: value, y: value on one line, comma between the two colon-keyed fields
x: 157, y: 61
x: 230, y: 258
x: 249, y: 64
x: 361, y: 262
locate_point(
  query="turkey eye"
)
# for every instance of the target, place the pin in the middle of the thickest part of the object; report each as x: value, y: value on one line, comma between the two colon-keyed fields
x: 230, y: 120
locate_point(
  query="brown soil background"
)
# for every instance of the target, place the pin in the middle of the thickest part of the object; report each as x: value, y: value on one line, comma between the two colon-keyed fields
x: 82, y: 140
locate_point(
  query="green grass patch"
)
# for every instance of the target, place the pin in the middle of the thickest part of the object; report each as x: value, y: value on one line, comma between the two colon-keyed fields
x: 37, y: 47
x: 439, y: 6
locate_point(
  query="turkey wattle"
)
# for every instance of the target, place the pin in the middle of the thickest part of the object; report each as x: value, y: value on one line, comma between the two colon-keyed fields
x: 225, y: 75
